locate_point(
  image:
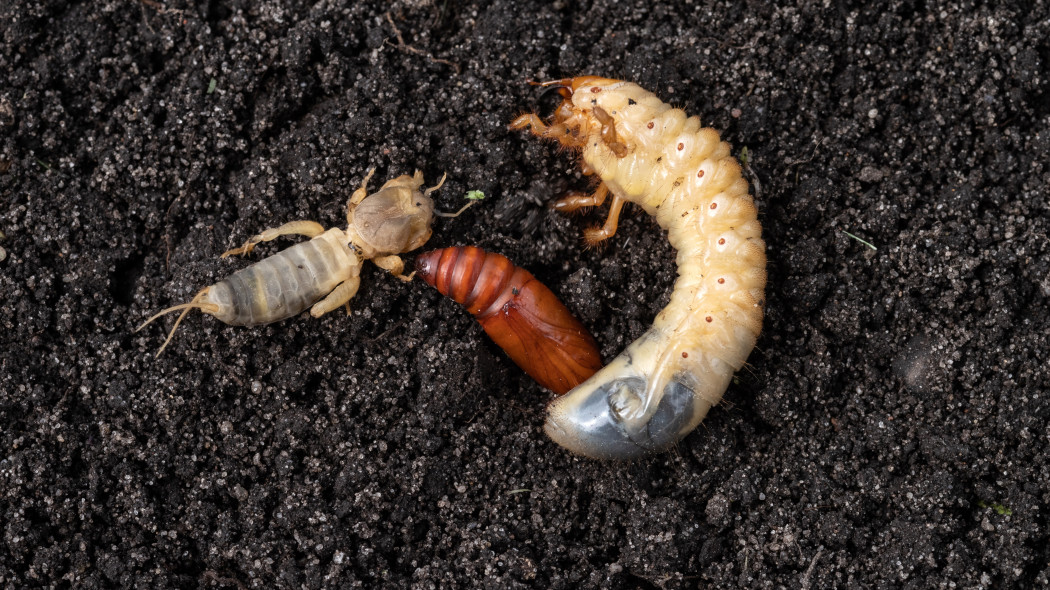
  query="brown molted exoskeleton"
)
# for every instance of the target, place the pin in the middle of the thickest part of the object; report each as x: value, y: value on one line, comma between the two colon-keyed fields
x: 324, y: 273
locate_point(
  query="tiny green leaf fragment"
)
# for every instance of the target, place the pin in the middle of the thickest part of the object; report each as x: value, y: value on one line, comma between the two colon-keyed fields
x: 744, y: 156
x: 866, y: 243
x: 474, y: 195
x: 211, y: 85
x: 999, y: 508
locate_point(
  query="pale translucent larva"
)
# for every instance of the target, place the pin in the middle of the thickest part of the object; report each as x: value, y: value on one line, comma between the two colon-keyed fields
x: 646, y: 152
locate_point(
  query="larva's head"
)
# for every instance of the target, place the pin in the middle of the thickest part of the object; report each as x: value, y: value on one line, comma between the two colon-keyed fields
x: 580, y: 93
x: 590, y: 105
x: 573, y: 85
x: 603, y: 418
x: 589, y: 82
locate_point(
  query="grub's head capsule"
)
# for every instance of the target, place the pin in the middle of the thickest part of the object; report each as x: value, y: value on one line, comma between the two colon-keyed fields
x: 605, y: 417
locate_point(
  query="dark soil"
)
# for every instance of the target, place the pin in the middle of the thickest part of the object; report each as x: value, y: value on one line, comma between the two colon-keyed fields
x: 891, y: 429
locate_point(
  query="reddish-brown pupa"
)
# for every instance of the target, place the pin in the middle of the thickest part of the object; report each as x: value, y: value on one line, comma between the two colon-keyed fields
x: 518, y: 312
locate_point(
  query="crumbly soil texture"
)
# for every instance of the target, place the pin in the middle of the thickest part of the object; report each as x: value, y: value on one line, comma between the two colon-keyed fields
x: 889, y: 431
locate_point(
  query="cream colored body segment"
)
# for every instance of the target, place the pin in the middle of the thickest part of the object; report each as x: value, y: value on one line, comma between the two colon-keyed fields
x: 648, y: 153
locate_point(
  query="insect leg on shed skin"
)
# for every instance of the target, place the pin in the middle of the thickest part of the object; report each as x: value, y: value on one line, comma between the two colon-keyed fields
x: 310, y: 229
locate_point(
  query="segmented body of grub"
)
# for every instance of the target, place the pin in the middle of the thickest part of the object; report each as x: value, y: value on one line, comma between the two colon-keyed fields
x: 646, y: 152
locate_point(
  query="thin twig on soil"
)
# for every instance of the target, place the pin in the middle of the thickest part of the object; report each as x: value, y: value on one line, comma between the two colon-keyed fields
x: 409, y: 49
x: 807, y: 578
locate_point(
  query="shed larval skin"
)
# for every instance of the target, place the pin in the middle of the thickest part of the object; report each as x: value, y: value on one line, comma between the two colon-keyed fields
x: 324, y: 273
x: 646, y: 152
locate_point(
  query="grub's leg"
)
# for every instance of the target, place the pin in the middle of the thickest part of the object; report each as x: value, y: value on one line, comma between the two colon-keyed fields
x: 531, y: 121
x: 574, y: 201
x: 562, y: 121
x: 560, y: 129
x: 595, y: 235
x: 360, y: 194
x: 310, y: 229
x: 394, y: 265
x: 341, y: 295
x: 609, y: 137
